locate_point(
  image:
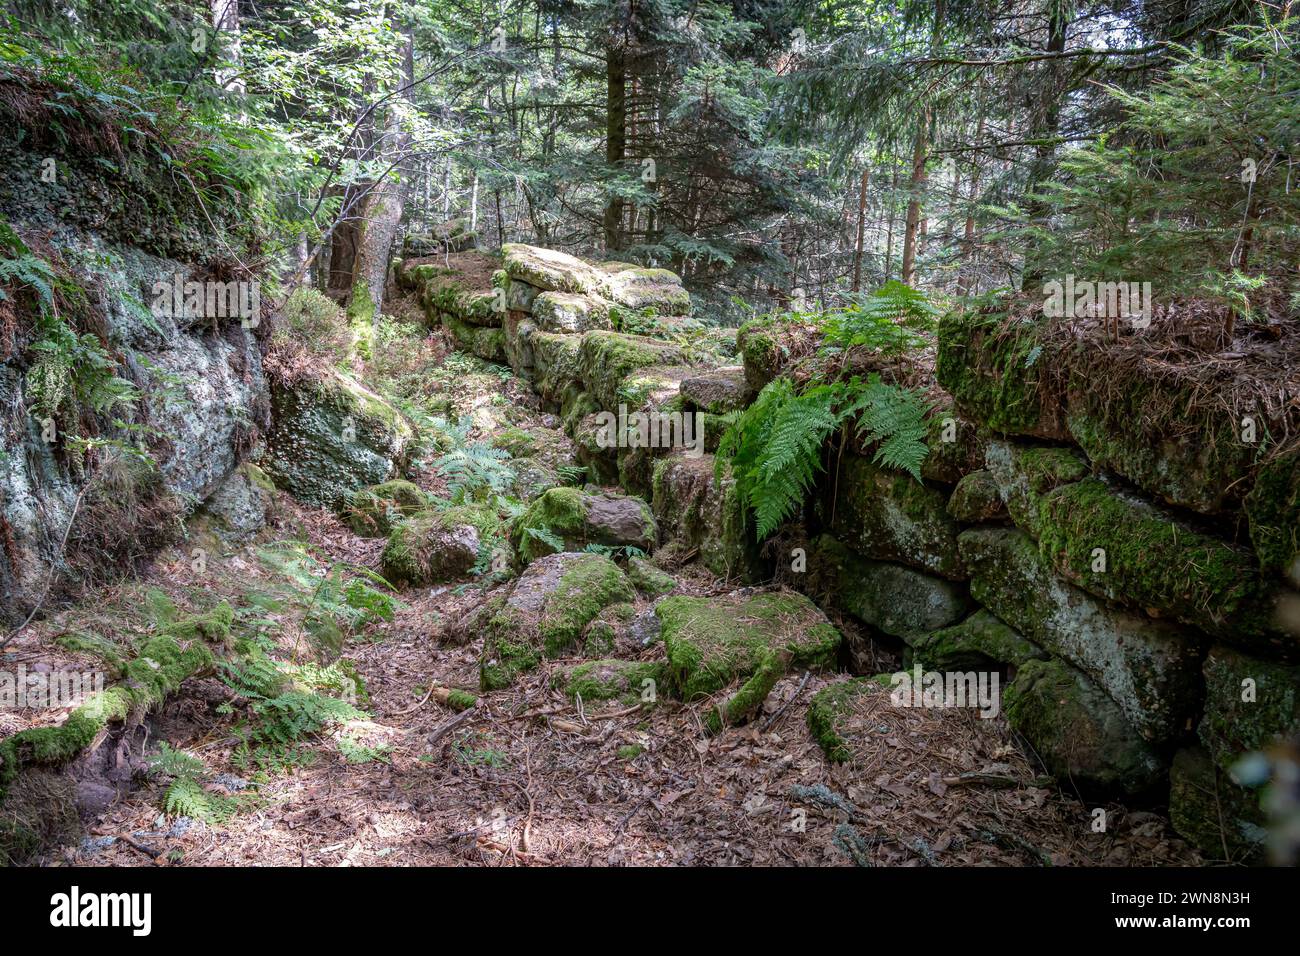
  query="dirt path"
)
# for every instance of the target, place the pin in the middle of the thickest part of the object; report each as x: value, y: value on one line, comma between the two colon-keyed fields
x: 529, y: 777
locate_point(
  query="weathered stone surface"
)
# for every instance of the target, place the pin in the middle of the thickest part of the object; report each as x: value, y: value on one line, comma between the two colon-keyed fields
x: 753, y: 637
x: 532, y: 478
x: 556, y: 362
x: 579, y: 519
x: 718, y: 391
x: 897, y: 600
x: 981, y: 642
x: 607, y: 358
x: 546, y: 611
x: 1153, y: 560
x: 1147, y: 667
x: 550, y: 270
x: 1250, y: 704
x: 518, y: 341
x: 1213, y: 813
x: 993, y: 374
x: 520, y: 296
x: 433, y: 546
x: 570, y: 312
x: 1024, y: 473
x: 891, y: 517
x: 701, y: 512
x: 331, y: 436
x: 659, y: 290
x: 241, y: 504
x: 977, y: 499
x: 1078, y: 732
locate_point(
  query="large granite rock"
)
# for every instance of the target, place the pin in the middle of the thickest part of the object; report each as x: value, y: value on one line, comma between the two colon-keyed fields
x: 576, y: 519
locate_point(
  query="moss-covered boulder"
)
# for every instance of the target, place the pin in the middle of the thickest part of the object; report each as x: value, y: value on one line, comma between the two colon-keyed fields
x: 658, y: 290
x: 532, y: 478
x: 993, y: 368
x: 1078, y: 732
x: 648, y: 579
x: 330, y: 436
x: 602, y: 634
x: 768, y: 346
x: 890, y: 516
x: 981, y: 642
x: 977, y: 500
x: 1118, y: 546
x: 520, y: 296
x: 1212, y: 813
x: 517, y: 339
x: 550, y: 270
x: 608, y: 358
x: 1250, y: 704
x: 718, y: 390
x: 437, y: 545
x: 1148, y: 667
x: 488, y: 343
x: 546, y: 612
x: 832, y: 709
x: 897, y: 600
x: 372, y: 512
x: 1024, y: 473
x: 575, y: 518
x: 567, y: 312
x: 628, y: 682
x: 241, y: 505
x: 712, y: 642
x: 701, y: 513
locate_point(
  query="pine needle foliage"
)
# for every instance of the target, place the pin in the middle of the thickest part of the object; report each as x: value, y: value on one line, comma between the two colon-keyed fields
x: 774, y: 447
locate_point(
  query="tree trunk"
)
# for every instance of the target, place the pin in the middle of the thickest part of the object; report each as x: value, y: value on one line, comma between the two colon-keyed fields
x: 908, y: 268
x: 381, y: 214
x: 862, y: 226
x: 615, y: 138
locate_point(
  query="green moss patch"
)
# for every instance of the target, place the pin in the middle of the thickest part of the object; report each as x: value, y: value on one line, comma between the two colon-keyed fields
x: 979, y: 643
x: 436, y: 545
x: 372, y: 512
x: 611, y: 679
x: 607, y: 358
x: 831, y: 709
x: 1250, y: 704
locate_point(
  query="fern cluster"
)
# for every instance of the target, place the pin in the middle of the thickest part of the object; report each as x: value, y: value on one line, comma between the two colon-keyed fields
x: 893, y: 319
x: 186, y: 795
x: 774, y: 447
x: 474, y: 470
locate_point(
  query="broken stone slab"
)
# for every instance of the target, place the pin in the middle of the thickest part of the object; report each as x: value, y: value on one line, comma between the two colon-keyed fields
x: 520, y: 296
x: 1148, y: 667
x: 545, y: 613
x: 570, y: 312
x: 1024, y: 473
x: 519, y: 330
x: 718, y: 390
x: 746, y: 636
x: 1116, y: 545
x: 898, y: 600
x: 577, y: 519
x: 331, y: 435
x: 1079, y: 732
x: 701, y: 512
x: 977, y: 499
x: 981, y: 642
x: 890, y: 516
x: 658, y: 290
x: 555, y: 362
x: 608, y: 358
x: 550, y: 270
x: 1250, y: 704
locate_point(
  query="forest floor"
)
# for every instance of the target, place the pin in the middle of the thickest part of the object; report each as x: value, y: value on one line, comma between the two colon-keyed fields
x: 530, y: 778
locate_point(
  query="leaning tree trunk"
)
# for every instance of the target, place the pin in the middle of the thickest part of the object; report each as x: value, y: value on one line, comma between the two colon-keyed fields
x: 380, y: 215
x: 615, y: 137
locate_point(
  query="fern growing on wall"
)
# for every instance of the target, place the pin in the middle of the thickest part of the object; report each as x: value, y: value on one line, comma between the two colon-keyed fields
x: 774, y: 447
